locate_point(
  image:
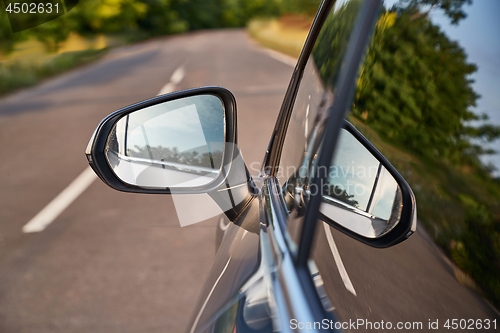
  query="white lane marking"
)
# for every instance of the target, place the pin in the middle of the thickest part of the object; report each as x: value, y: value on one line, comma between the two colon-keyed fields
x: 48, y: 214
x: 338, y: 260
x: 177, y: 75
x: 175, y: 79
x: 286, y: 59
x: 168, y: 88
x: 59, y: 204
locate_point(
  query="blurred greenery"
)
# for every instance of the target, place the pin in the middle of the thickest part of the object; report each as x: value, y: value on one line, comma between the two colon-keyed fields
x: 458, y: 206
x: 415, y: 89
x: 286, y: 34
x: 453, y: 9
x: 478, y: 249
x: 146, y: 18
x: 22, y: 74
x: 415, y: 96
x: 131, y: 20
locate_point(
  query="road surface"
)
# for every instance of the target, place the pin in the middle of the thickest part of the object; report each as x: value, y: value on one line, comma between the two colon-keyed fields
x: 120, y: 262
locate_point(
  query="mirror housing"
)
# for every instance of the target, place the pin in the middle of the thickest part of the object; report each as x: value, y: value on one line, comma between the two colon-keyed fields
x: 383, y: 216
x: 104, y: 160
x: 393, y: 217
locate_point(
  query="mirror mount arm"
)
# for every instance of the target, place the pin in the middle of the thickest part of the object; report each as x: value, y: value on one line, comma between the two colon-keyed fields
x: 238, y: 189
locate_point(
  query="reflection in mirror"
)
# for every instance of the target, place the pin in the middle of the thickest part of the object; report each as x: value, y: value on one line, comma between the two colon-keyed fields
x: 360, y: 194
x: 171, y: 144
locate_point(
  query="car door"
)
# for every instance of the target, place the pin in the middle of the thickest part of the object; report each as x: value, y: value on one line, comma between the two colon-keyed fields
x: 328, y: 173
x: 284, y: 291
x: 276, y: 294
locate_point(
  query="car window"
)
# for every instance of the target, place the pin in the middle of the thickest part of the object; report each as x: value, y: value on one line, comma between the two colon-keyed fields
x: 369, y: 194
x: 315, y: 95
x: 363, y: 196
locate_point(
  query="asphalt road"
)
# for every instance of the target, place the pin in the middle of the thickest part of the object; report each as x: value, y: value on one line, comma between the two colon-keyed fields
x: 120, y: 262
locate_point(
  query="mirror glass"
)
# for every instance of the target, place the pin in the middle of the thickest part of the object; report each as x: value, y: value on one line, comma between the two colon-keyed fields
x: 360, y: 193
x: 178, y: 143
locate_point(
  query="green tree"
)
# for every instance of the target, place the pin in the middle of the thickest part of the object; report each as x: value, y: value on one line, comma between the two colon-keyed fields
x: 106, y: 16
x: 209, y: 14
x: 199, y: 14
x: 92, y: 16
x: 52, y: 33
x: 150, y: 17
x: 478, y: 250
x: 421, y: 8
x: 309, y: 7
x: 333, y: 40
x: 8, y: 39
x: 415, y: 89
x: 161, y: 19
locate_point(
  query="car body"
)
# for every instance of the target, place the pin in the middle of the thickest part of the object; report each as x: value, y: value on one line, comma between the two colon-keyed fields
x: 266, y: 276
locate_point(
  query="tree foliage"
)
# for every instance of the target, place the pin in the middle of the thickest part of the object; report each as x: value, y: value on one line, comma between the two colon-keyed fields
x: 415, y: 89
x: 108, y: 16
x: 147, y: 17
x: 452, y: 8
x: 7, y: 38
x: 332, y: 41
x: 477, y: 251
x: 309, y: 7
x: 161, y: 18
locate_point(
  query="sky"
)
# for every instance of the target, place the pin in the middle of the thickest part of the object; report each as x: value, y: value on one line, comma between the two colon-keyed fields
x: 479, y: 35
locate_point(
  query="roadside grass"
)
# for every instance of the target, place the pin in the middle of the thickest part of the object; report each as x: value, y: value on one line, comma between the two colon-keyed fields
x: 18, y: 75
x: 458, y: 207
x: 437, y: 184
x: 286, y: 34
x: 29, y: 63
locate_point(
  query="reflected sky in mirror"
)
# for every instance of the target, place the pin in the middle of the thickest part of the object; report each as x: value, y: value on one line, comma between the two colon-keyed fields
x: 384, y: 195
x: 361, y: 194
x: 180, y: 129
x: 353, y: 172
x: 176, y: 143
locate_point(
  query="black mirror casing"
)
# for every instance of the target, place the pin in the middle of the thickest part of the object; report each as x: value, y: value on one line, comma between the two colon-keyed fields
x: 408, y: 220
x: 95, y: 150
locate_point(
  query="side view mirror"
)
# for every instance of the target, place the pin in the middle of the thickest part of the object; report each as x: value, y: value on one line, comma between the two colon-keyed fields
x: 177, y: 142
x: 365, y: 196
